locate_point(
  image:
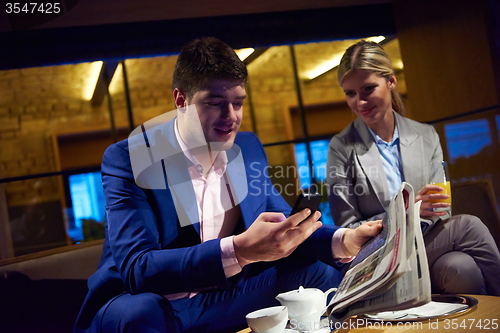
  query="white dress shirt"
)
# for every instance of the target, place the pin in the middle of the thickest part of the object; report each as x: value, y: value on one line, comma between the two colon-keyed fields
x: 391, y: 160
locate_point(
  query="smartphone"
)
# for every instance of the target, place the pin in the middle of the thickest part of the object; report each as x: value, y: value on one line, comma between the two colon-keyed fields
x: 306, y: 200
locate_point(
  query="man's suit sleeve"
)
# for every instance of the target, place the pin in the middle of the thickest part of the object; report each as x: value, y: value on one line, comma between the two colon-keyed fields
x: 134, y: 238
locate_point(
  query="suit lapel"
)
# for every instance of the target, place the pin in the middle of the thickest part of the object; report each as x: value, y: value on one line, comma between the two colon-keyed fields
x: 181, y: 187
x: 371, y: 162
x: 237, y: 178
x: 411, y: 148
x: 179, y: 180
x: 236, y: 175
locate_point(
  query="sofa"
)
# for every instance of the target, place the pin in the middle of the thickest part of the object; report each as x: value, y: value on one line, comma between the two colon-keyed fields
x: 43, y: 292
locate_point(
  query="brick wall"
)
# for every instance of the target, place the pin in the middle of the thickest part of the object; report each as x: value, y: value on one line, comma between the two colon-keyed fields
x: 35, y: 103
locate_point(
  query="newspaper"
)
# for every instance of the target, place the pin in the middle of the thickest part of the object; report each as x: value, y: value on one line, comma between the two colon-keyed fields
x: 390, y: 271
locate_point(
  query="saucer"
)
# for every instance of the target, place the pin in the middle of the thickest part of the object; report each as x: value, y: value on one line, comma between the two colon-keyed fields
x: 287, y: 330
x: 320, y: 330
x: 446, y: 303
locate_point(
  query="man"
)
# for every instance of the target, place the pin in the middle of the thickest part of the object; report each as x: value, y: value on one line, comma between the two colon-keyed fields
x: 188, y: 248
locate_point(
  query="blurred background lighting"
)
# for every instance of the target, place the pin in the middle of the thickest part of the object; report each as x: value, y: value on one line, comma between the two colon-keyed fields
x: 93, y: 76
x: 244, y: 53
x: 114, y: 86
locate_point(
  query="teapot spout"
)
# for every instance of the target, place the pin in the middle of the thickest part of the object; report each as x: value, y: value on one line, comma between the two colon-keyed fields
x: 290, y: 295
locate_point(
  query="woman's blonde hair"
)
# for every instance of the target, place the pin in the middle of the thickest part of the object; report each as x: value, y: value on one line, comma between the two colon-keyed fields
x: 366, y: 55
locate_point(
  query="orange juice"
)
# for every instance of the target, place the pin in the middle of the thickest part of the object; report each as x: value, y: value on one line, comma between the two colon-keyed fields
x: 446, y: 190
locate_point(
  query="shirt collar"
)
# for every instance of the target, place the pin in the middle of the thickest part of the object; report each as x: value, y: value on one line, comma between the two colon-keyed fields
x: 379, y: 141
x: 185, y: 149
x: 220, y: 162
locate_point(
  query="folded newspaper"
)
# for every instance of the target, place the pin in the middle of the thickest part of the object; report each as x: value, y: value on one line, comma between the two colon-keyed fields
x: 390, y: 271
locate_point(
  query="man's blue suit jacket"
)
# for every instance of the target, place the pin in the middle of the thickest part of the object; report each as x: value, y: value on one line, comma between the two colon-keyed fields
x: 147, y: 250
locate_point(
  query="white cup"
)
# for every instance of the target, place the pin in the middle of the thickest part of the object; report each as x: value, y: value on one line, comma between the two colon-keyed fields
x: 268, y: 320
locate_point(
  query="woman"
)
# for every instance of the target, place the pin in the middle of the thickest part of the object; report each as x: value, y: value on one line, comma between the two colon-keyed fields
x: 368, y: 161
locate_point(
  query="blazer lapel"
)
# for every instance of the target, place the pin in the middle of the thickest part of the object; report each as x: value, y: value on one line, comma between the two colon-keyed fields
x: 371, y: 162
x: 180, y: 185
x: 236, y: 175
x: 412, y: 150
x: 238, y: 181
x: 179, y: 181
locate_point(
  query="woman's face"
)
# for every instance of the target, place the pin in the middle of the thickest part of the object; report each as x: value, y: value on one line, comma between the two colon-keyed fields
x: 369, y: 96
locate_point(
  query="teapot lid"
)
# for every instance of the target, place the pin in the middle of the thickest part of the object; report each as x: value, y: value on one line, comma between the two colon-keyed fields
x: 300, y: 294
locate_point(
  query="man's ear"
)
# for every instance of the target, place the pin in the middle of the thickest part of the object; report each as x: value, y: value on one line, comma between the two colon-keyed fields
x: 180, y: 99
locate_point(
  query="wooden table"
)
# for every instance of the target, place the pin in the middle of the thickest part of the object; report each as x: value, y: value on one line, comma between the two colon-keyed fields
x: 485, y: 314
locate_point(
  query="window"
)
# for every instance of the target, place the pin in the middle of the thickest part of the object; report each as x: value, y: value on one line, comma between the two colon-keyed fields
x: 319, y: 152
x: 467, y: 138
x: 88, y: 203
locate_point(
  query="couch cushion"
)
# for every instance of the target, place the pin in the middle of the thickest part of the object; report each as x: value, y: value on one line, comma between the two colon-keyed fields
x: 77, y: 262
x: 42, y: 306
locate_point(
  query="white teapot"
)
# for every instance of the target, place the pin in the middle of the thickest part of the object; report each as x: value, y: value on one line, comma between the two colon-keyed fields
x: 305, y: 307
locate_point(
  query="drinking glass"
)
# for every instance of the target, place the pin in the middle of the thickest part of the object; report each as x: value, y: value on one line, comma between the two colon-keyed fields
x: 441, y: 178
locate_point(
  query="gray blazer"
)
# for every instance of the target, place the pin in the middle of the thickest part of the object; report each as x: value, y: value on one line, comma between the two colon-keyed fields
x: 358, y: 188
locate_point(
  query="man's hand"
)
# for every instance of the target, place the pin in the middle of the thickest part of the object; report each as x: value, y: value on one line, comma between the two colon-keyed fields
x: 426, y: 207
x: 354, y: 239
x: 272, y: 236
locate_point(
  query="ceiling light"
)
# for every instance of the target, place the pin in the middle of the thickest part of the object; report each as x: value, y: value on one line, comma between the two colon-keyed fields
x: 244, y: 53
x: 324, y: 67
x: 376, y: 39
x: 114, y: 87
x: 93, y: 76
x: 334, y: 61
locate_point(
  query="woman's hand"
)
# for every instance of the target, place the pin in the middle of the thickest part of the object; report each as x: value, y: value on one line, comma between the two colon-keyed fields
x: 427, y: 207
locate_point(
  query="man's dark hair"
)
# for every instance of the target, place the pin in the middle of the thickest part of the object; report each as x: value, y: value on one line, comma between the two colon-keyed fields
x: 204, y: 60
